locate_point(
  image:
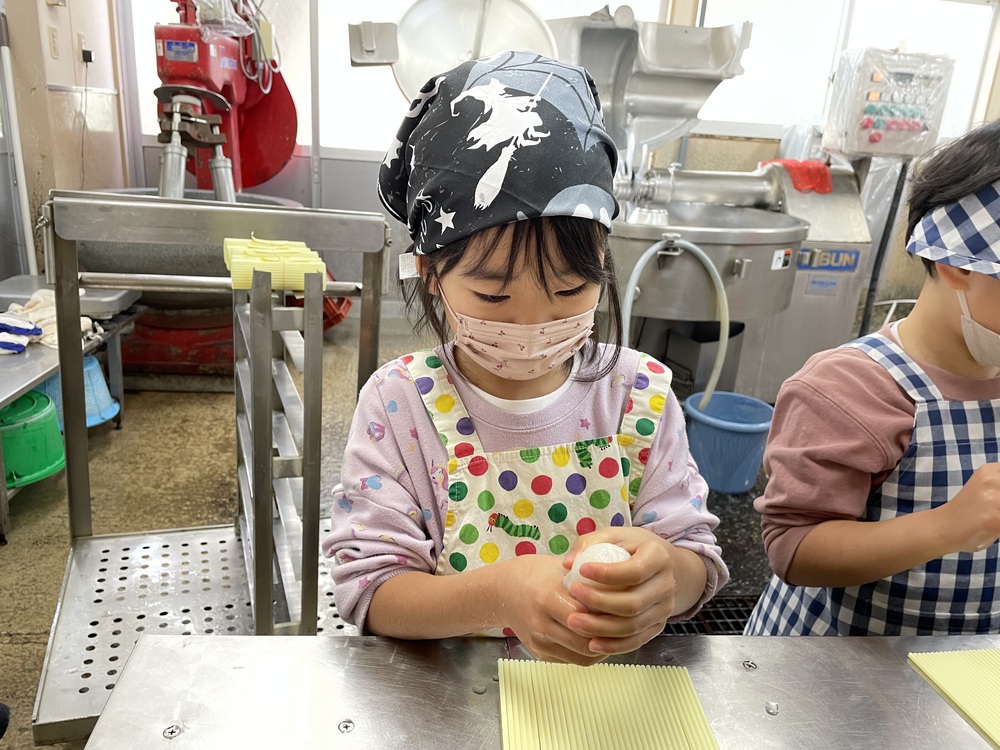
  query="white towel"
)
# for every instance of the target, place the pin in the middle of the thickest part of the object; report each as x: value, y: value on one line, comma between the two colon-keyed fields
x: 16, y: 332
x: 40, y: 309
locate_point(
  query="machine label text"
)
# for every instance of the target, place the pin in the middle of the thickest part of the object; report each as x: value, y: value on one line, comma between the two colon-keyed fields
x: 823, y: 284
x: 781, y: 259
x: 831, y: 260
x: 182, y: 51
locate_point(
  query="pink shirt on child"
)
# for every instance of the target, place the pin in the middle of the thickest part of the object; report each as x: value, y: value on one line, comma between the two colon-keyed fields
x: 840, y: 426
x: 389, y: 512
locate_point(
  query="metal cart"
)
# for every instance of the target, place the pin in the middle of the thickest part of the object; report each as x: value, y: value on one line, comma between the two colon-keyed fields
x: 261, y: 574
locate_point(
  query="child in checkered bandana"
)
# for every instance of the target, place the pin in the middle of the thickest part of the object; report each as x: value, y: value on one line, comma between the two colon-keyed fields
x: 882, y: 511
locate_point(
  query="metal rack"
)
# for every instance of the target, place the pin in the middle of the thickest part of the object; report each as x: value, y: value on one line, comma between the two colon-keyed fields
x: 278, y: 451
x: 259, y: 575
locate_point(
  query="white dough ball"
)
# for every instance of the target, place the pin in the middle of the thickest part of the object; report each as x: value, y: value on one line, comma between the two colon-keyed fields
x: 602, y: 553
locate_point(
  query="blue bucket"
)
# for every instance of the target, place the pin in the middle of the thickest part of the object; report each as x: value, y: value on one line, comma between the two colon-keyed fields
x: 100, y: 405
x: 727, y: 439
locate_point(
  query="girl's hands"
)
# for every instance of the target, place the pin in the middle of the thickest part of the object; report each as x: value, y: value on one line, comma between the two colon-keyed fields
x: 635, y: 597
x: 536, y: 608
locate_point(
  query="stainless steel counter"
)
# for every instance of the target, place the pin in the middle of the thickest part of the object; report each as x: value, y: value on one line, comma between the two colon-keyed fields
x: 356, y: 692
x: 19, y: 373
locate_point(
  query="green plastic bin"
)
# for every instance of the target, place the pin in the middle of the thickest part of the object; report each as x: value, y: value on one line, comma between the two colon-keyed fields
x: 32, y: 441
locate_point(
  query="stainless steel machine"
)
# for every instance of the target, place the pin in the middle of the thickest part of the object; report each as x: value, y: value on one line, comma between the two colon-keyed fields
x: 788, y: 263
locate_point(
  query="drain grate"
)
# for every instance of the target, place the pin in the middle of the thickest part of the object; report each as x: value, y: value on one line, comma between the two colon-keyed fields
x: 723, y: 615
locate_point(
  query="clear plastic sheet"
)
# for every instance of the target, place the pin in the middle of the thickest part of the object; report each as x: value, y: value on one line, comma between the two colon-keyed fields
x: 887, y: 103
x: 218, y: 17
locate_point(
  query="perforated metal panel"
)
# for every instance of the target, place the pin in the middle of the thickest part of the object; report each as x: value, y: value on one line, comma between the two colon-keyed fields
x: 188, y: 582
x: 115, y: 589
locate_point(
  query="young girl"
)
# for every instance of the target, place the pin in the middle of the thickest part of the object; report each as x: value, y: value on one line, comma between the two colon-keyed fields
x: 474, y: 473
x: 882, y: 511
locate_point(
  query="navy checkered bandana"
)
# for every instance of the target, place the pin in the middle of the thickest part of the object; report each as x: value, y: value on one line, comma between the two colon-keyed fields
x: 510, y: 137
x: 964, y: 234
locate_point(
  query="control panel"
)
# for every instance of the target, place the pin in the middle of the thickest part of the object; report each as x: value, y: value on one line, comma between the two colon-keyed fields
x: 887, y: 103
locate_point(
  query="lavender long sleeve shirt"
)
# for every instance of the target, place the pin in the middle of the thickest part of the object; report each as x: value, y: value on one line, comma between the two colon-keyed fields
x: 388, y: 515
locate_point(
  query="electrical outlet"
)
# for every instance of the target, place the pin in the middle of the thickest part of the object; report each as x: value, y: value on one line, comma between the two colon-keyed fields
x: 81, y: 43
x: 53, y: 42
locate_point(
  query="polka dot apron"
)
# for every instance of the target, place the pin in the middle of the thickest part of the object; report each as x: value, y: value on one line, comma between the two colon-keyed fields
x: 536, y: 500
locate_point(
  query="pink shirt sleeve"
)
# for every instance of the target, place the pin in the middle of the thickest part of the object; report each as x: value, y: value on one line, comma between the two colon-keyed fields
x: 673, y: 501
x: 840, y: 426
x: 387, y: 517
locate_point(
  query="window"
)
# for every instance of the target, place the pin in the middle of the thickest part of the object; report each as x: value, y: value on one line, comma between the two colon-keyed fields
x: 365, y: 106
x: 794, y: 47
x: 793, y: 50
x: 787, y: 66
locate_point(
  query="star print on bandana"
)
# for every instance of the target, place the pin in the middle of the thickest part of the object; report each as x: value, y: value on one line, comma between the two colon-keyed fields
x: 446, y: 220
x: 510, y: 137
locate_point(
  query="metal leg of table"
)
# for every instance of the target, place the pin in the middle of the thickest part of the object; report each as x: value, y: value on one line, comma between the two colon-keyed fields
x: 371, y: 314
x: 71, y: 376
x: 4, y: 503
x: 115, y: 381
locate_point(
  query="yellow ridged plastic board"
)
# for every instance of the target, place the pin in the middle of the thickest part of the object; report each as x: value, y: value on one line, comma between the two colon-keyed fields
x: 547, y: 706
x: 288, y: 262
x: 970, y: 682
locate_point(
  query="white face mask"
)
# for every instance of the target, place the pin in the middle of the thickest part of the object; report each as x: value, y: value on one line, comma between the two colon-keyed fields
x: 984, y: 344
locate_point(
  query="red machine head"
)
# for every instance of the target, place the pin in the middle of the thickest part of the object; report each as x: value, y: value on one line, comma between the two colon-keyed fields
x: 192, y: 56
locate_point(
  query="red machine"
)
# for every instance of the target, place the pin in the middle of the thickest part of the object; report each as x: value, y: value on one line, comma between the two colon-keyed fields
x: 227, y: 117
x: 205, y: 76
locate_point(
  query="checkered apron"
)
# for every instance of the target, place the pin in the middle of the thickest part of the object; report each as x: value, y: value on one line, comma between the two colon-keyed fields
x: 957, y: 593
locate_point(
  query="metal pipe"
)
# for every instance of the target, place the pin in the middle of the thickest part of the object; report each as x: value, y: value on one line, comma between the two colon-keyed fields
x: 754, y: 189
x: 173, y: 162
x: 371, y: 313
x: 262, y: 528
x: 883, y: 246
x: 160, y: 282
x: 155, y: 282
x: 315, y: 163
x: 342, y: 289
x: 312, y: 436
x: 67, y: 296
x: 221, y: 167
x: 222, y: 177
x: 14, y: 133
x: 477, y: 44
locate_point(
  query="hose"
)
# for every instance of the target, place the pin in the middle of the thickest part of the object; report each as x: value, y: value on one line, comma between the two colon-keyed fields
x: 721, y: 303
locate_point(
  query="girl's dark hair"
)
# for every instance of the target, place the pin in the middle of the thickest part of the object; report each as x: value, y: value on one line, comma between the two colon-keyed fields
x: 582, y: 245
x: 953, y: 171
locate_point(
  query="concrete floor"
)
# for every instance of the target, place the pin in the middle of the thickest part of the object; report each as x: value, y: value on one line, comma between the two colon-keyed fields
x: 172, y: 466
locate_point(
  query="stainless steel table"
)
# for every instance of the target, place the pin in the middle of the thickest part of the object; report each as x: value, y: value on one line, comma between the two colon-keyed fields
x: 363, y: 692
x: 19, y: 373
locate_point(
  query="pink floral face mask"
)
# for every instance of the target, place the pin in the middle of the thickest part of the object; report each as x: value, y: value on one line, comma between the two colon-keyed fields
x: 521, y: 352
